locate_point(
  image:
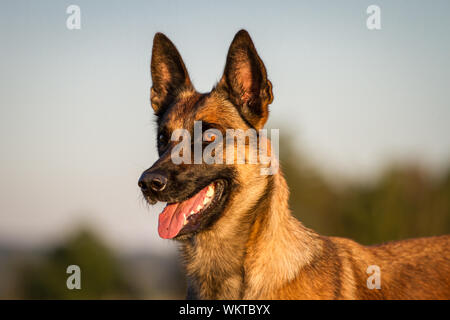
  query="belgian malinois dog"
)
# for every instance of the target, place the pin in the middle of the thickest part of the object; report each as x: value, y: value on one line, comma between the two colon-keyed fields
x: 237, y: 236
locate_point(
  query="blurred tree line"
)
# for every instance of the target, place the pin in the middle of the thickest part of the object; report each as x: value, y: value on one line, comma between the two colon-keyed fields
x: 101, y: 274
x: 105, y: 273
x: 404, y: 202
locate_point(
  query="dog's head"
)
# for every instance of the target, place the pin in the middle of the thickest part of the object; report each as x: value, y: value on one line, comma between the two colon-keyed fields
x: 198, y: 192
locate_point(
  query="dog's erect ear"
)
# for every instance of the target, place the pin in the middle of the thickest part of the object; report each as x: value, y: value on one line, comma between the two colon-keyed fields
x: 169, y: 74
x: 245, y: 80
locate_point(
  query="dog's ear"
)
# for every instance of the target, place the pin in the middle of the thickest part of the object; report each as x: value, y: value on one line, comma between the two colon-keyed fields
x: 245, y: 81
x: 169, y: 74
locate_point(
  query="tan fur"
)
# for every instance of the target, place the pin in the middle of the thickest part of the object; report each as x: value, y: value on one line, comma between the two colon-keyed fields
x: 276, y: 257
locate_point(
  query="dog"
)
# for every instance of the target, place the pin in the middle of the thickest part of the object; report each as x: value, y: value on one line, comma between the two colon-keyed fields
x: 237, y: 237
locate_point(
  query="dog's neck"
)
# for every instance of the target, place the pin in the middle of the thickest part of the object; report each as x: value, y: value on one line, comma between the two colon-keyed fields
x: 248, y: 245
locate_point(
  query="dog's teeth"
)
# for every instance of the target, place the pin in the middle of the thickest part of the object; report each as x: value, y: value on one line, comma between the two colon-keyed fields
x: 199, y: 207
x: 192, y: 212
x: 210, y: 191
x: 206, y: 200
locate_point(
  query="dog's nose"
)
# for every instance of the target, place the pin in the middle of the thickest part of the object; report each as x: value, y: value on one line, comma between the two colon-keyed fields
x: 155, y: 181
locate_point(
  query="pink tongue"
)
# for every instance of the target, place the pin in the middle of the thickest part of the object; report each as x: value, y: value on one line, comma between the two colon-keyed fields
x: 171, y: 219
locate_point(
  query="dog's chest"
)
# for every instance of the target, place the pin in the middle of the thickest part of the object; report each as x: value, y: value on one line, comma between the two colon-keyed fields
x: 214, y: 273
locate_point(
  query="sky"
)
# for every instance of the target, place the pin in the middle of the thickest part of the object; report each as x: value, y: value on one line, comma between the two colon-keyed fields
x: 77, y: 129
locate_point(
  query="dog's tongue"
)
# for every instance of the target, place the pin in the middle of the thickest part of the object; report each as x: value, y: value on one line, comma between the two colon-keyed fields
x: 171, y: 219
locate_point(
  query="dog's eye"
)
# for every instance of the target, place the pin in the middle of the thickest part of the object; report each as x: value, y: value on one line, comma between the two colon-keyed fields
x: 162, y: 139
x: 209, y: 136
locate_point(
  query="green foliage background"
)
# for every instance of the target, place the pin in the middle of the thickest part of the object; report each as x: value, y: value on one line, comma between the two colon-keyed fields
x: 101, y: 274
x: 405, y: 201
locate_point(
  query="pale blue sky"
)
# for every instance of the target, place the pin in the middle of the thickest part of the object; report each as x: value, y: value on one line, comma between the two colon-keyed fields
x: 77, y: 129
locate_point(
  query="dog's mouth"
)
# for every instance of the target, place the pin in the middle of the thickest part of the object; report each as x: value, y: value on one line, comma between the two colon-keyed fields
x: 189, y: 216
